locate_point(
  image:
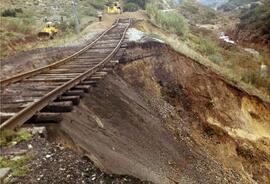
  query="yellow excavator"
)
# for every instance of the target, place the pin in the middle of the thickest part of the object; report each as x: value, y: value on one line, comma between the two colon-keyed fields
x: 49, y: 31
x: 115, y: 8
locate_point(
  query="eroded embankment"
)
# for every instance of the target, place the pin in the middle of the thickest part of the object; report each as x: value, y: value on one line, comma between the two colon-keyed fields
x: 125, y: 132
x: 165, y: 118
x: 230, y: 124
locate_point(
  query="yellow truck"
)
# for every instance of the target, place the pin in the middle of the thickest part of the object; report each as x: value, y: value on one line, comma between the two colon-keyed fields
x: 49, y: 31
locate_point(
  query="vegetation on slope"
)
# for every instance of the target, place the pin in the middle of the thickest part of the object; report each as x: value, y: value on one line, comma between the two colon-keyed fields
x: 256, y: 22
x: 197, y: 13
x: 134, y: 5
x: 202, y: 45
x: 236, y: 4
x: 21, y: 21
x: 170, y: 21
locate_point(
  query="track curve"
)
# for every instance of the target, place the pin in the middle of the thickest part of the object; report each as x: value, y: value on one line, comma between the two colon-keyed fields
x: 26, y: 94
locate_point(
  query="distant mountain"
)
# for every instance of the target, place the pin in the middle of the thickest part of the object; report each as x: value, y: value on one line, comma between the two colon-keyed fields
x: 213, y: 3
x: 239, y: 4
x: 197, y: 13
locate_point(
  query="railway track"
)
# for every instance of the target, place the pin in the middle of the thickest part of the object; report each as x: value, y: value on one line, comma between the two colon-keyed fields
x: 56, y: 87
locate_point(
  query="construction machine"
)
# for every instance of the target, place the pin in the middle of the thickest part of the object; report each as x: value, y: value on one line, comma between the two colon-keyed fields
x: 115, y: 8
x: 49, y: 31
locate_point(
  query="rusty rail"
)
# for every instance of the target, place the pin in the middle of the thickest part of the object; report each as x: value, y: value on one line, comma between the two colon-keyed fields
x: 25, y: 75
x: 22, y: 116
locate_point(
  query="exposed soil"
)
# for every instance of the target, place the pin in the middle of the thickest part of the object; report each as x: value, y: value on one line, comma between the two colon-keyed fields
x: 126, y: 132
x: 166, y: 118
x: 228, y: 122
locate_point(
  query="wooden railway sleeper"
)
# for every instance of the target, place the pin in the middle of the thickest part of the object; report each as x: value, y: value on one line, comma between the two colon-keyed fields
x: 58, y: 107
x: 42, y: 118
x: 47, y: 80
x: 12, y: 109
x: 60, y: 71
x: 85, y: 88
x: 74, y: 93
x: 66, y: 74
x: 74, y: 99
x: 84, y: 64
x: 89, y: 82
x: 13, y: 101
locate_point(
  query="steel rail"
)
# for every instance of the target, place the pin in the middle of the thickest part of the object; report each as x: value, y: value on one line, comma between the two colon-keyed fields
x: 21, y: 117
x: 25, y: 75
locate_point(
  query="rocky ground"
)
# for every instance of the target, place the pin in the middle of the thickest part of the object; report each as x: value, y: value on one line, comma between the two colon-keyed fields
x: 52, y: 163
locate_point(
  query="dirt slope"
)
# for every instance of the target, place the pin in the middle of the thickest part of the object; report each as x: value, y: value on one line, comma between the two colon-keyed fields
x: 230, y: 124
x: 123, y: 133
x: 169, y: 119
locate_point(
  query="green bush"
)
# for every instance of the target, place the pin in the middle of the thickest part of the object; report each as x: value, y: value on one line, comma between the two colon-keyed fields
x: 9, y: 13
x: 152, y: 10
x: 170, y: 21
x: 130, y: 7
x: 207, y: 47
x: 174, y: 22
x: 139, y: 3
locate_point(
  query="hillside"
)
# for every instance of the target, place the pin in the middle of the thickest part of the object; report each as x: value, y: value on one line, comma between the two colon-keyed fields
x: 197, y: 13
x: 21, y: 21
x: 213, y: 3
x: 254, y: 25
x: 238, y: 4
x: 199, y: 28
